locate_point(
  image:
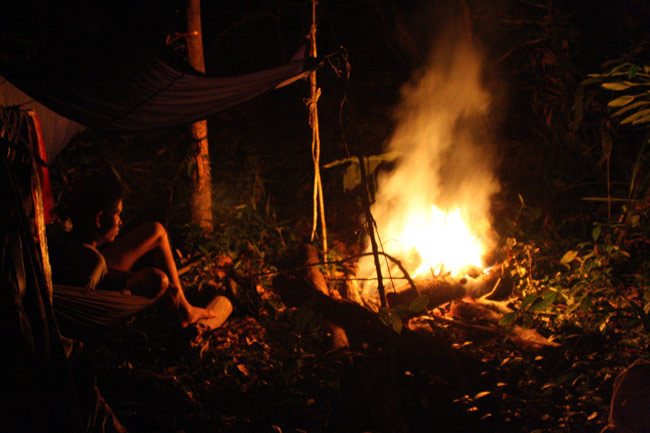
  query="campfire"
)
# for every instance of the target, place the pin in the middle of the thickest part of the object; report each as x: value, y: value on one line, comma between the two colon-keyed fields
x: 432, y: 209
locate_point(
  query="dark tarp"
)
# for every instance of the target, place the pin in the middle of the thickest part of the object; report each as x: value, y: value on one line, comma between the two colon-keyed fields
x: 142, y: 93
x: 56, y: 129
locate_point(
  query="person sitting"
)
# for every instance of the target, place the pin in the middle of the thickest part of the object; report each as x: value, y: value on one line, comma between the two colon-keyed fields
x: 92, y: 257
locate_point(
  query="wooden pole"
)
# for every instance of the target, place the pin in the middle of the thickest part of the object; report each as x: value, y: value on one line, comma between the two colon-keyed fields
x: 201, y: 197
x: 315, y: 140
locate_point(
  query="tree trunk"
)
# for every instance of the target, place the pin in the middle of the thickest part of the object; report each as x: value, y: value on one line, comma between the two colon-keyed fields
x: 201, y: 197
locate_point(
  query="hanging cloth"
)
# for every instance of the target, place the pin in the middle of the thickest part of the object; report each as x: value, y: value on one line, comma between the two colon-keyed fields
x: 141, y: 93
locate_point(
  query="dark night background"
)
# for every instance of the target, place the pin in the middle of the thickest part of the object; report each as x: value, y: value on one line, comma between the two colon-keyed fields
x: 549, y: 130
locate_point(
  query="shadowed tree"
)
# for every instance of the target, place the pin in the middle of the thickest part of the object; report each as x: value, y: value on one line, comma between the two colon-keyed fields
x: 201, y: 196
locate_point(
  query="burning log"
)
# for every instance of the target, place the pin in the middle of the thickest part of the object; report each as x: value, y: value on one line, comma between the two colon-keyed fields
x: 491, y: 285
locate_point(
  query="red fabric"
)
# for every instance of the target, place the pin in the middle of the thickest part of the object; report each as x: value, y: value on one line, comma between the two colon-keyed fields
x: 43, y: 171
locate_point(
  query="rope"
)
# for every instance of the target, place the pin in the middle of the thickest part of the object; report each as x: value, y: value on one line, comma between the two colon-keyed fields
x: 318, y: 201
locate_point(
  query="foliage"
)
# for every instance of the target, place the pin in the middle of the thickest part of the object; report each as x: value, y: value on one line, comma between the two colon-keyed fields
x: 352, y: 174
x: 248, y: 239
x: 632, y: 80
x: 630, y: 107
x: 394, y: 317
x: 588, y: 293
x: 594, y: 283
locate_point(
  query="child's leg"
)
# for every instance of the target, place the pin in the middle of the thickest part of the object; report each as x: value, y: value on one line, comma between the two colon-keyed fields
x: 150, y: 283
x: 127, y: 249
x: 152, y: 237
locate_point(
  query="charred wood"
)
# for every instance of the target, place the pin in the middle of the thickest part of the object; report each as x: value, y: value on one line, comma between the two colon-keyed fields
x: 492, y: 285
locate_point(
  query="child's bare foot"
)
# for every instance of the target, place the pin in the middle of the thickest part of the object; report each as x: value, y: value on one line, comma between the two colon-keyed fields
x: 191, y: 314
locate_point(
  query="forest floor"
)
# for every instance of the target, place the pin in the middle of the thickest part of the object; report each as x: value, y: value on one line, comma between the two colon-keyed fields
x: 277, y: 372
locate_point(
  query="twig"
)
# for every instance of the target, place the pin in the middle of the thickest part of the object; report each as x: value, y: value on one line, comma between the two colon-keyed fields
x: 370, y: 221
x: 190, y: 264
x: 398, y: 263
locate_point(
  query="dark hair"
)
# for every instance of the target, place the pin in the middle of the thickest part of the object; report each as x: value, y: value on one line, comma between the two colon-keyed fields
x: 87, y: 197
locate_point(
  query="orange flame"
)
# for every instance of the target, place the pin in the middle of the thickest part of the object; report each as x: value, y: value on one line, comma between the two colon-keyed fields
x: 446, y: 244
x: 432, y: 209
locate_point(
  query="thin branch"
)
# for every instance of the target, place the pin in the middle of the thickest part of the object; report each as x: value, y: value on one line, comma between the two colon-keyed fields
x: 398, y: 263
x: 371, y: 231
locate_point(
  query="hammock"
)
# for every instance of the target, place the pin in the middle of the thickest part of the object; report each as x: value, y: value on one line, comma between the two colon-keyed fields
x: 94, y: 310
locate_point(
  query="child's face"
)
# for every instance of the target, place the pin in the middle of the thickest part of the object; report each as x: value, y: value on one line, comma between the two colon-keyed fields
x: 112, y: 227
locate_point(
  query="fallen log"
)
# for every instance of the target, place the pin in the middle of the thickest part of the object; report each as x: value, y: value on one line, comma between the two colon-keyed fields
x: 525, y: 339
x: 380, y: 356
x: 477, y: 316
x: 314, y: 276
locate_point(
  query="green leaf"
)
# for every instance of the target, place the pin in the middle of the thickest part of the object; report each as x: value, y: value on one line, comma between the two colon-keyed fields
x: 508, y: 319
x: 621, y: 101
x: 619, y: 69
x: 595, y: 233
x: 351, y: 177
x: 399, y: 311
x: 638, y: 117
x: 419, y: 304
x: 545, y: 301
x: 529, y: 300
x: 568, y: 257
x: 630, y: 107
x: 384, y: 315
x: 632, y: 72
x: 586, y: 304
x: 615, y: 86
x: 396, y: 323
